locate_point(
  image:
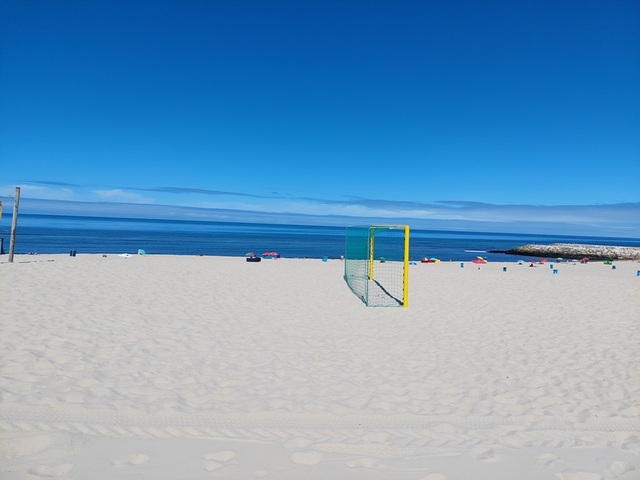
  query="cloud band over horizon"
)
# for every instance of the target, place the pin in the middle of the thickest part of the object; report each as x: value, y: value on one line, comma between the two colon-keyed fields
x: 619, y: 219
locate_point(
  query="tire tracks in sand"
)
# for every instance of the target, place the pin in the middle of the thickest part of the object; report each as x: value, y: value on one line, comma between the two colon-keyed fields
x: 376, y: 435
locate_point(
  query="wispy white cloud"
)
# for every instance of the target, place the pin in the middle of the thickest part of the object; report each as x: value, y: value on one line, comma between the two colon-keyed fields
x: 120, y: 195
x: 612, y: 219
x: 201, y: 191
x: 42, y: 192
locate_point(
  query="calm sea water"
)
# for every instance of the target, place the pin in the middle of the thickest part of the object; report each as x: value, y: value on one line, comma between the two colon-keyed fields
x: 60, y: 234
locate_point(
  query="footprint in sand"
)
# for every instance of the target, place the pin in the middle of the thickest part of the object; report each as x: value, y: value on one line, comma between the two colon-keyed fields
x: 362, y: 463
x: 579, y: 476
x: 218, y: 460
x: 547, y: 459
x: 135, y: 459
x: 616, y: 469
x: 307, y: 458
x: 435, y: 476
x: 486, y: 454
x: 51, y: 470
x: 29, y: 444
x: 261, y: 473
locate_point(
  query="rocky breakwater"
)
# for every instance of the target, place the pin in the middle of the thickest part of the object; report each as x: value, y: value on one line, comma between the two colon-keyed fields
x: 576, y: 250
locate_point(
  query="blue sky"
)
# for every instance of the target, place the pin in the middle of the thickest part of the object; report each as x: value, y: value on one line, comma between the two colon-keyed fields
x: 491, y: 115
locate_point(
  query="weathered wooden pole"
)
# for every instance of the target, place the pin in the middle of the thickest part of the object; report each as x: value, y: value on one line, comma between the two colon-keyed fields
x: 14, y: 224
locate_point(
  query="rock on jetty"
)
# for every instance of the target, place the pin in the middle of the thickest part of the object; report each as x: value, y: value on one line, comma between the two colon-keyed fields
x: 576, y: 250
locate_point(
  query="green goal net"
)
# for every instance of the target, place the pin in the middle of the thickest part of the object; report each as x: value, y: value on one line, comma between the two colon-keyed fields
x: 376, y: 264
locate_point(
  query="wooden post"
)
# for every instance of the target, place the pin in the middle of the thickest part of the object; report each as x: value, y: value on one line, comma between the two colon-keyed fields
x: 14, y: 224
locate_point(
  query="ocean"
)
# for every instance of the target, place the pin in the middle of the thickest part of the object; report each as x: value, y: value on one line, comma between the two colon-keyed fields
x: 40, y: 234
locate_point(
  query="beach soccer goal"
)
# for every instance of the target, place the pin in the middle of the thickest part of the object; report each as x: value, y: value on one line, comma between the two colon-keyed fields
x: 376, y: 264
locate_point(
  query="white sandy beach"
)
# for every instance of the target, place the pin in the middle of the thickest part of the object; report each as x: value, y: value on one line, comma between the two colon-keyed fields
x: 167, y: 367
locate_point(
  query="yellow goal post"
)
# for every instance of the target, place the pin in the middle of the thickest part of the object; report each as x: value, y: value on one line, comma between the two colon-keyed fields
x: 377, y: 264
